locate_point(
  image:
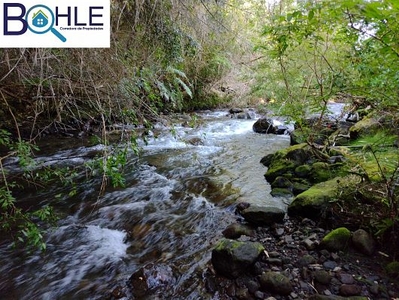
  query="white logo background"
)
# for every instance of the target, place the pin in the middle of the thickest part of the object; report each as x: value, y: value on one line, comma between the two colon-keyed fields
x: 63, y: 35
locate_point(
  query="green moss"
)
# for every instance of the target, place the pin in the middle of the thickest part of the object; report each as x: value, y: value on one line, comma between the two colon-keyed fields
x: 316, y: 199
x: 303, y: 171
x: 320, y: 172
x: 364, y: 127
x: 285, y: 161
x: 392, y: 269
x: 336, y: 240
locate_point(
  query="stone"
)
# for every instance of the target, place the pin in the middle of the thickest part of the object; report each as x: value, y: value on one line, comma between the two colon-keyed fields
x: 275, y: 282
x: 337, y: 240
x: 281, y: 192
x: 320, y: 172
x: 305, y: 261
x: 267, y: 160
x: 363, y: 242
x: 322, y: 276
x: 151, y: 277
x: 303, y: 171
x: 316, y: 200
x: 346, y: 278
x: 264, y: 125
x: 349, y: 290
x: 231, y: 258
x: 365, y: 126
x: 282, y: 182
x: 234, y: 231
x: 263, y: 215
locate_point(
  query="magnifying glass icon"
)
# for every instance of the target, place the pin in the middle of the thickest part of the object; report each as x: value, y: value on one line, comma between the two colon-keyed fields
x: 41, y: 19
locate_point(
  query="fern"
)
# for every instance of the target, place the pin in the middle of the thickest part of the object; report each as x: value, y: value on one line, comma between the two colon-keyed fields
x: 185, y: 87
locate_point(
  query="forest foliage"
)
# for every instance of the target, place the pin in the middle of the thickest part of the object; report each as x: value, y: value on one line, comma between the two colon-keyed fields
x: 165, y: 56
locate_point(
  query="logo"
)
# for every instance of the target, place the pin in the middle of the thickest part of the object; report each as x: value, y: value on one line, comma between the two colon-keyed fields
x: 58, y: 24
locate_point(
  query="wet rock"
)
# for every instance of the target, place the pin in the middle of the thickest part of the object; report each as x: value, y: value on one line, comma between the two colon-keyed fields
x: 266, y: 160
x: 363, y: 242
x: 263, y: 215
x: 281, y: 129
x: 151, y: 278
x: 322, y: 276
x: 264, y: 125
x: 231, y: 258
x: 282, y: 182
x: 276, y: 282
x: 195, y: 141
x: 281, y: 192
x: 234, y: 231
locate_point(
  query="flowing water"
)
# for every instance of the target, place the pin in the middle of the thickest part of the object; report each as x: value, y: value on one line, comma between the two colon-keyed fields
x: 177, y: 200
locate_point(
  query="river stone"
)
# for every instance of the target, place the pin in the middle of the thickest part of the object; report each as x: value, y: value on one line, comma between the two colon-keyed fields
x: 281, y: 192
x: 264, y: 125
x: 363, y: 242
x: 234, y: 231
x: 275, y: 282
x: 336, y: 240
x: 151, y: 277
x: 350, y: 290
x: 282, y: 182
x: 231, y: 258
x: 263, y: 215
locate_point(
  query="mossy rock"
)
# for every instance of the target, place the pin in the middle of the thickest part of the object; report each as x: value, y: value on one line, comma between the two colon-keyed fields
x: 298, y: 136
x: 282, y: 182
x: 281, y: 192
x: 284, y: 162
x: 366, y: 126
x: 232, y: 258
x: 303, y: 171
x: 300, y: 187
x: 315, y: 201
x: 392, y: 269
x: 320, y: 172
x: 267, y: 160
x: 336, y: 240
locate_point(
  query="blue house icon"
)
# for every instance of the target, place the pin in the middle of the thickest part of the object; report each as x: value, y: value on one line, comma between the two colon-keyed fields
x: 39, y: 19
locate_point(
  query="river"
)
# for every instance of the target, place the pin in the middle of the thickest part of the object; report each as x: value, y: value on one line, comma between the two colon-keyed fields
x: 177, y: 200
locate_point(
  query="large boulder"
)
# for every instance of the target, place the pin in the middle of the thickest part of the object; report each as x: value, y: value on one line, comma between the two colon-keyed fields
x: 263, y: 215
x: 264, y: 125
x: 315, y: 201
x: 366, y: 126
x: 232, y: 258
